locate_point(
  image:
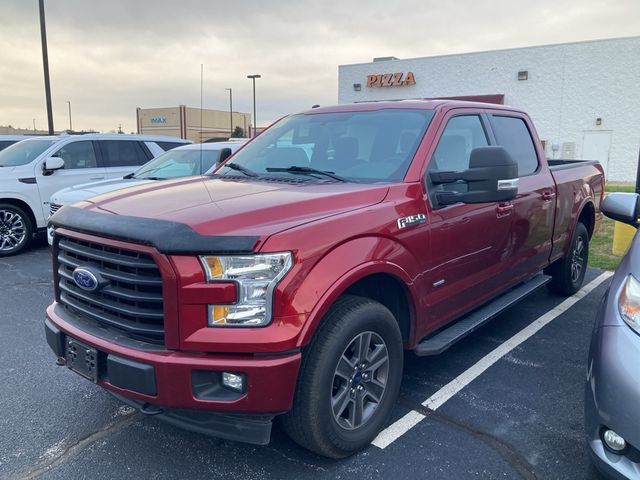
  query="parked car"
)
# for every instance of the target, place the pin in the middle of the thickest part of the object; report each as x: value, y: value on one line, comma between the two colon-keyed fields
x: 289, y: 283
x: 612, y: 393
x: 33, y: 169
x: 8, y: 140
x: 192, y: 159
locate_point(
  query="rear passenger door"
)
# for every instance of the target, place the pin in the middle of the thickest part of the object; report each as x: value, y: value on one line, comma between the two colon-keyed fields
x: 534, y: 207
x: 470, y: 242
x: 121, y: 157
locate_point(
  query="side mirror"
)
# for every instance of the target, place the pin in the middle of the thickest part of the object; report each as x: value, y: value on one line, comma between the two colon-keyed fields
x: 623, y: 207
x: 51, y: 164
x: 492, y: 177
x: 224, y: 154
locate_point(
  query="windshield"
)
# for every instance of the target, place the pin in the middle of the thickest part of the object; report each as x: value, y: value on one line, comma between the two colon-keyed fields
x: 365, y: 147
x: 23, y: 152
x: 178, y: 163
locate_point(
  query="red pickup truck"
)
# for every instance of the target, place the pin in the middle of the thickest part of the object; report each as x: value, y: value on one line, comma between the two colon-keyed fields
x: 290, y: 281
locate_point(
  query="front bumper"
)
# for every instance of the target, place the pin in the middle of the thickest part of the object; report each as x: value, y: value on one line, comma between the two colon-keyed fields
x: 254, y: 429
x: 179, y: 380
x: 612, y: 397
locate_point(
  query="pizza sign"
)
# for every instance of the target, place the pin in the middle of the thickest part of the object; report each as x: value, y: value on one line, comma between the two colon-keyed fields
x: 399, y: 79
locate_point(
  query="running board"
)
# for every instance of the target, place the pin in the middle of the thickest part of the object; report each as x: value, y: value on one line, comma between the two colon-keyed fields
x: 441, y: 341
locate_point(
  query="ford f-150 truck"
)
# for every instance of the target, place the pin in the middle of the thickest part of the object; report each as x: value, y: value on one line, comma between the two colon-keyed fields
x: 289, y: 282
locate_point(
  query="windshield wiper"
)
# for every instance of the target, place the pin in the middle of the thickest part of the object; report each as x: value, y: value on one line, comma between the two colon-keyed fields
x: 307, y: 171
x: 240, y: 168
x: 128, y: 176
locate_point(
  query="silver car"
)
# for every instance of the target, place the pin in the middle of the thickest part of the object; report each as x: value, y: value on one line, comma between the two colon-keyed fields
x: 612, y: 394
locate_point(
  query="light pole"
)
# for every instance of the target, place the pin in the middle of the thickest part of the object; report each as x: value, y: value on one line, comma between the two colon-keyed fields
x: 45, y: 65
x: 255, y: 122
x: 70, y: 126
x: 230, y: 112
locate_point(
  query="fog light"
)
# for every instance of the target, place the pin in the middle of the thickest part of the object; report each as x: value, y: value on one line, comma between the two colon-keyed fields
x: 234, y: 381
x: 614, y: 441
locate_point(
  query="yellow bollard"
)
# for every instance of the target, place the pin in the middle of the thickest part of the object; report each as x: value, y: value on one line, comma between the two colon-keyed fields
x: 622, y: 236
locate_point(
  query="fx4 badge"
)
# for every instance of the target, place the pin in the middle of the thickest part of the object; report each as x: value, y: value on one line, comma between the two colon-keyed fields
x: 411, y: 220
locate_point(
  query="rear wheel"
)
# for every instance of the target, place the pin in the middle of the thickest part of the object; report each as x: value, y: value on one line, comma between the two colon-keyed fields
x: 16, y: 229
x: 567, y: 274
x: 349, y: 380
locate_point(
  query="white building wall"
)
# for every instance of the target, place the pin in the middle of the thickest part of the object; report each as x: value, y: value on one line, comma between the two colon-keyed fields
x: 569, y: 86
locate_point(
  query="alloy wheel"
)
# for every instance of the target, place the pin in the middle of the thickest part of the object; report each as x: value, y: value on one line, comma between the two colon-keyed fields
x: 13, y: 230
x: 360, y: 380
x: 577, y: 259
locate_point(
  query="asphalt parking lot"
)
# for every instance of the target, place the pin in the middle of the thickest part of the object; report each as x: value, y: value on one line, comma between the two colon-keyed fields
x: 517, y: 415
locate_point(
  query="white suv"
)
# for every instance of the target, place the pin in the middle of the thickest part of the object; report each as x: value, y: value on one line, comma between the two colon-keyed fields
x: 33, y: 169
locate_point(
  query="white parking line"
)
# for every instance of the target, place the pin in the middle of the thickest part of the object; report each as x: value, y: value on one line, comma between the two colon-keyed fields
x: 435, y: 401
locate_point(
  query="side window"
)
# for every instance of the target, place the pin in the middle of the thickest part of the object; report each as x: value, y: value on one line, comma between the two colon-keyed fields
x: 78, y: 155
x: 512, y: 133
x: 461, y: 135
x: 166, y: 146
x: 122, y: 153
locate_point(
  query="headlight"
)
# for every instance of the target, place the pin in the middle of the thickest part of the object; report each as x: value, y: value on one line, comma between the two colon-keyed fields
x: 256, y: 277
x: 629, y: 303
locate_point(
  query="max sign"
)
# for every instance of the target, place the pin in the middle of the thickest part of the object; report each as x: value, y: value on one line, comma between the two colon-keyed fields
x: 391, y: 80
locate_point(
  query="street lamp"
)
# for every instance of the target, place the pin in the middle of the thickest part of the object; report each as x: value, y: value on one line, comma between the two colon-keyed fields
x: 255, y: 122
x: 230, y: 112
x: 70, y: 127
x: 45, y: 65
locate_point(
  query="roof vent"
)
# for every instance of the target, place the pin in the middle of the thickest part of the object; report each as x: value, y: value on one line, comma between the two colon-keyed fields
x: 385, y: 59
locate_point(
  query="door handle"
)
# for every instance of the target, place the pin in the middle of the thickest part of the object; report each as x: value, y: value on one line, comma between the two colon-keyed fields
x: 504, y: 208
x: 96, y: 178
x: 548, y: 196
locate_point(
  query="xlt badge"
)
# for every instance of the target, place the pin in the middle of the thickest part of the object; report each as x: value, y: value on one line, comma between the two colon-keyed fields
x: 411, y: 220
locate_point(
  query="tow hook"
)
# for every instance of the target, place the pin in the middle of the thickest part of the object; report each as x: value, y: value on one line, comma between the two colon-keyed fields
x: 61, y: 361
x: 150, y: 409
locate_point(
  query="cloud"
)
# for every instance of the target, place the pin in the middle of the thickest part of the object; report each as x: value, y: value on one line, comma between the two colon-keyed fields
x: 107, y: 58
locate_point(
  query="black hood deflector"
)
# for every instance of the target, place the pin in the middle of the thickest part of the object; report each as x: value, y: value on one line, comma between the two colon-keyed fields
x: 166, y: 236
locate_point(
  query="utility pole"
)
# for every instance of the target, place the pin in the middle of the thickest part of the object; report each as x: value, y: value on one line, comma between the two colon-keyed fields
x: 230, y: 112
x: 70, y: 126
x: 45, y: 63
x: 255, y: 121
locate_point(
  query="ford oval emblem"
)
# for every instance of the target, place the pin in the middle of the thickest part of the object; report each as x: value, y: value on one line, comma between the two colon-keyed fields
x: 85, y: 279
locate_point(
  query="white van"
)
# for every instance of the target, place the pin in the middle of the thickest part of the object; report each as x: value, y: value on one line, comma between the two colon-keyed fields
x: 33, y: 169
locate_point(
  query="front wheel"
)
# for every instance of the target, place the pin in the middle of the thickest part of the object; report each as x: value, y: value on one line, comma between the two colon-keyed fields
x: 567, y: 274
x: 16, y: 229
x: 349, y: 380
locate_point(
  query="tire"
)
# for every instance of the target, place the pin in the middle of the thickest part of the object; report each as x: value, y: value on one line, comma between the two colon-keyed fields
x: 567, y: 274
x: 16, y: 229
x: 331, y: 415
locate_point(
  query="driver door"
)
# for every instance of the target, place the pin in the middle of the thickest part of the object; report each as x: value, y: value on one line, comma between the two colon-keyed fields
x: 469, y: 242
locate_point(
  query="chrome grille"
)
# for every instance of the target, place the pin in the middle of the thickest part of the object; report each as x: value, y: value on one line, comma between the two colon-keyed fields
x: 130, y: 301
x: 54, y: 207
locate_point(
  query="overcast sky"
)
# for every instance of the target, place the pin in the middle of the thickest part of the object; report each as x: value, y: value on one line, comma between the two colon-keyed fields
x: 109, y: 57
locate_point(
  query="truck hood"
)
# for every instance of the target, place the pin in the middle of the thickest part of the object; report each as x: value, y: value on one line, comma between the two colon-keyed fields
x: 216, y: 206
x: 77, y: 193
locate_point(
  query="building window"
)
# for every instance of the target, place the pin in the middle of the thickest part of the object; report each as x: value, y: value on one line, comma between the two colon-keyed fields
x: 523, y: 75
